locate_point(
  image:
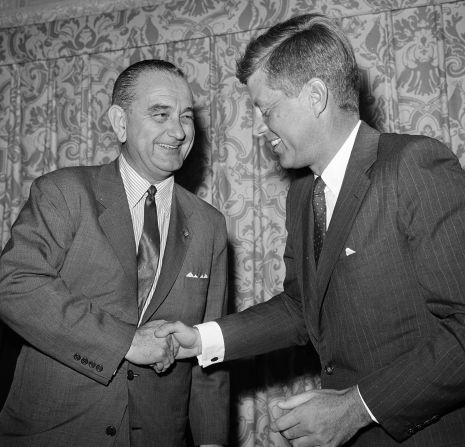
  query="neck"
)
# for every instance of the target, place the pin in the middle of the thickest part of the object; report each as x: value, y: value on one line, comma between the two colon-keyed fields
x: 336, y: 131
x: 340, y: 128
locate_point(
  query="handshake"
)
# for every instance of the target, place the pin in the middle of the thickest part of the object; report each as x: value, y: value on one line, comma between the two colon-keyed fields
x: 159, y: 343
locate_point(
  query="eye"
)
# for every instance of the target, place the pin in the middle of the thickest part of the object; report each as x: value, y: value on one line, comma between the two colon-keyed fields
x: 160, y: 116
x: 187, y: 117
x: 266, y: 115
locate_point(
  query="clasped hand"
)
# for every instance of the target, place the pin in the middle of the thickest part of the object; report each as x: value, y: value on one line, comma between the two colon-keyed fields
x: 149, y: 349
x: 326, y: 418
x: 159, y: 343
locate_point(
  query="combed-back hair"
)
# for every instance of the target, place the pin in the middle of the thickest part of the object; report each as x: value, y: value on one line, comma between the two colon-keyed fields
x: 304, y: 47
x: 124, y: 89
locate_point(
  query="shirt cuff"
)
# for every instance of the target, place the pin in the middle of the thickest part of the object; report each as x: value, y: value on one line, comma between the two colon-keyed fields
x: 366, y: 406
x: 212, y: 343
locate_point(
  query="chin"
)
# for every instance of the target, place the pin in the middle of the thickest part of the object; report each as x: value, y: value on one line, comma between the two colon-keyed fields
x: 285, y: 163
x: 175, y: 167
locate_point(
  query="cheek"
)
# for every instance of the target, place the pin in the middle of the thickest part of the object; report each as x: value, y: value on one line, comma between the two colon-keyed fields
x: 140, y: 135
x: 189, y: 130
x: 189, y: 139
x: 185, y: 151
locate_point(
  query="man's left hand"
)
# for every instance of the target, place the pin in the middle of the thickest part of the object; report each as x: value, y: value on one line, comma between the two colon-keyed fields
x: 326, y: 418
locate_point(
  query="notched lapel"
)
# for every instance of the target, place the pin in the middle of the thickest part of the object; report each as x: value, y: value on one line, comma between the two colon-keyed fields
x: 354, y: 187
x: 177, y: 243
x: 115, y: 218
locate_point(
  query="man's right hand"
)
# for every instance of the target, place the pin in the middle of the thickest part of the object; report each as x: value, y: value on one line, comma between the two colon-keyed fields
x: 188, y: 338
x: 147, y: 349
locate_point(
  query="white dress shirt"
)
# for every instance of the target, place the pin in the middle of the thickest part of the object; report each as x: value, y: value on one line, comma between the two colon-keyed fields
x: 136, y: 191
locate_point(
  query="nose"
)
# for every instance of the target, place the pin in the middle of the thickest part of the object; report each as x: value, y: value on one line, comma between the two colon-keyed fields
x: 259, y: 127
x: 176, y: 130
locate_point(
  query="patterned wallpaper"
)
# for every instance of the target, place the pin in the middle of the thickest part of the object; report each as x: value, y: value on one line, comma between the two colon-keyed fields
x: 23, y: 12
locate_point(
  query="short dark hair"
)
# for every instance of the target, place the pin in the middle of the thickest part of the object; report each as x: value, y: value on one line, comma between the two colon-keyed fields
x: 292, y: 52
x: 125, y: 84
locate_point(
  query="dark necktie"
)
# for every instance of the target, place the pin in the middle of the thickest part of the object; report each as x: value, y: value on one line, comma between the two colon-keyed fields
x: 149, y: 249
x: 319, y: 215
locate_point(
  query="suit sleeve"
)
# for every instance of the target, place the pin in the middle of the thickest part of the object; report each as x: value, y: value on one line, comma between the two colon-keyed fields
x: 35, y: 301
x: 209, y: 400
x: 279, y: 322
x: 429, y: 381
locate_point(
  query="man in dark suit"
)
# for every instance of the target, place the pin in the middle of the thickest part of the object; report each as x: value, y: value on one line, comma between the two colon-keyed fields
x: 375, y: 256
x: 70, y: 285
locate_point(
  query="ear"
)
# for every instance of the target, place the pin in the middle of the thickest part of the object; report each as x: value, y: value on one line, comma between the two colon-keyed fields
x: 315, y: 93
x: 117, y: 117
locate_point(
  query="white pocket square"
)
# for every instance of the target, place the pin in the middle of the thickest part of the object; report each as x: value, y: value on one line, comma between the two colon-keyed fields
x: 193, y: 275
x: 349, y: 251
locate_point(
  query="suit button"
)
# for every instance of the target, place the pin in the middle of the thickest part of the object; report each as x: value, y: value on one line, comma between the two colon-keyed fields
x: 99, y: 368
x: 92, y: 364
x: 110, y: 430
x: 77, y: 357
x: 130, y: 374
x: 84, y: 361
x: 329, y: 369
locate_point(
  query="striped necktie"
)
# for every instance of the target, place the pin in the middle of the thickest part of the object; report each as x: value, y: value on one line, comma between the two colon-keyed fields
x: 149, y: 249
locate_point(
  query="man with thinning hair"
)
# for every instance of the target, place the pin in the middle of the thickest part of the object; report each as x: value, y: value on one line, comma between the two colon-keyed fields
x: 97, y: 257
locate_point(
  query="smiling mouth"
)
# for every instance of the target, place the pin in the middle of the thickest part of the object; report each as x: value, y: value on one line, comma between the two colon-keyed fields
x: 168, y: 147
x: 275, y: 142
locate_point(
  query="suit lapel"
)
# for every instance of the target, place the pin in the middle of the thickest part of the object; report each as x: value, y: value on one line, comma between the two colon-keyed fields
x: 354, y: 187
x: 179, y: 236
x: 115, y: 218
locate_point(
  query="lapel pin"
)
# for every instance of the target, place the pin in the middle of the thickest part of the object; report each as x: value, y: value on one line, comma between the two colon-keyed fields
x: 185, y: 233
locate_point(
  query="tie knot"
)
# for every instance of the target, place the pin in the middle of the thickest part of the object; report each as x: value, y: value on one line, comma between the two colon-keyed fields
x: 318, y: 186
x: 151, y: 192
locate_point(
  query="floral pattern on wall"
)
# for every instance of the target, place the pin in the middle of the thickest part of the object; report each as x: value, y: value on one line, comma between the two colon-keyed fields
x: 55, y: 83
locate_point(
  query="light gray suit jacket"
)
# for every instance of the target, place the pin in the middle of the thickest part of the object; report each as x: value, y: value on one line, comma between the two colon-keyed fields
x: 68, y: 286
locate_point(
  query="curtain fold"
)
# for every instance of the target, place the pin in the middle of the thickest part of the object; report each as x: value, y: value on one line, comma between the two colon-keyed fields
x: 55, y: 83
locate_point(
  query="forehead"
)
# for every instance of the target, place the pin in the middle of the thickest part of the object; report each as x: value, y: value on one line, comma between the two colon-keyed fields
x: 259, y: 90
x: 158, y: 87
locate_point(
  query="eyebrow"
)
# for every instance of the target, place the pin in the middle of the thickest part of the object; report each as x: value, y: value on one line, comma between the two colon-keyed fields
x: 163, y: 107
x: 188, y: 109
x: 158, y: 107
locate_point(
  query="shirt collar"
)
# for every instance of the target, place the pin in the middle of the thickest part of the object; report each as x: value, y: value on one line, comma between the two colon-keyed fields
x: 136, y: 187
x: 333, y: 175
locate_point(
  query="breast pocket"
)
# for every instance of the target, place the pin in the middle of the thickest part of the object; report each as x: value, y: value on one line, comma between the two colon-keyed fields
x: 194, y: 292
x: 197, y: 285
x: 356, y: 258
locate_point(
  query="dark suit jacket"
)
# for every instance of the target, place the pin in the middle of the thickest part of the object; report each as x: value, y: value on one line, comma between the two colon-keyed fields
x: 68, y: 286
x: 391, y: 316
